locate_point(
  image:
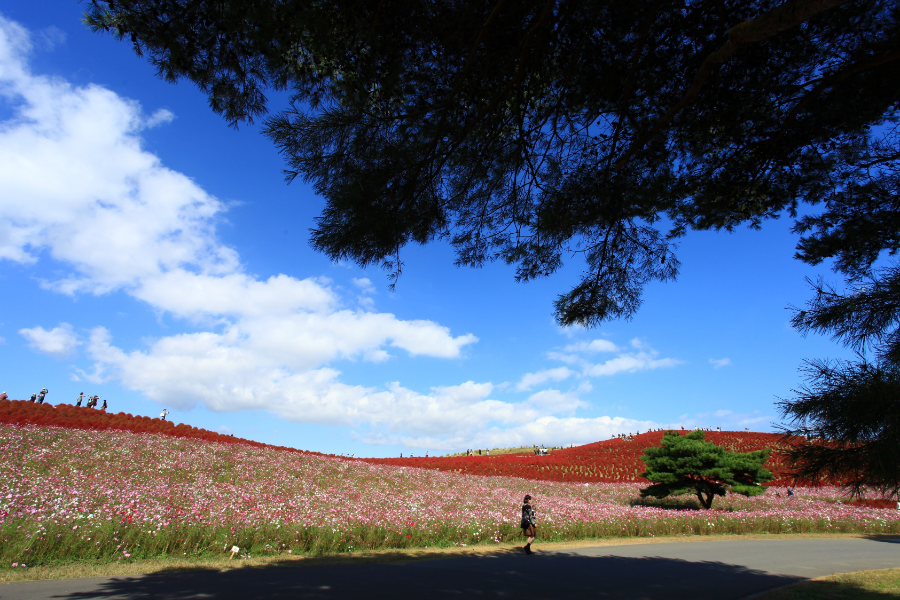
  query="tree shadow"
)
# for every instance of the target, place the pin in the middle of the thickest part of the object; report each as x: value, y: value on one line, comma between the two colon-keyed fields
x: 543, y: 576
x: 888, y: 538
x: 672, y: 503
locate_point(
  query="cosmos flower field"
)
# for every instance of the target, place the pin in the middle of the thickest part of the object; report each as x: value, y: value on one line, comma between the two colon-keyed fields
x: 74, y: 495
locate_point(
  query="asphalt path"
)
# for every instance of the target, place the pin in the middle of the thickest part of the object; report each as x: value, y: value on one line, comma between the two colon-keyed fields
x: 723, y: 570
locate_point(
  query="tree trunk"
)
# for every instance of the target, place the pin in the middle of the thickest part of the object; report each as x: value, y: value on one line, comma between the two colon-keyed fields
x: 705, y: 502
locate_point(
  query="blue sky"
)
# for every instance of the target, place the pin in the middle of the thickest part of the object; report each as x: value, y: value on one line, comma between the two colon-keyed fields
x: 154, y: 256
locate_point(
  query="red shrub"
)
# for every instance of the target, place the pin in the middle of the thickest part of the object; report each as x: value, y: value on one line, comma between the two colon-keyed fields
x: 22, y: 412
x: 608, y: 461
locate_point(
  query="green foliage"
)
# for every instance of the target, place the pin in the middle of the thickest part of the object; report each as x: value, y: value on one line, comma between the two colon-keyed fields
x: 530, y: 131
x: 690, y: 465
x: 850, y: 413
x: 850, y: 410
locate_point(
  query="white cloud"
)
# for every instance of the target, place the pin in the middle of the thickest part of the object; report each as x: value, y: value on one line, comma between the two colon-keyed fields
x: 727, y: 420
x: 592, y: 346
x: 51, y: 37
x: 366, y: 290
x: 630, y: 363
x: 59, y: 342
x: 364, y: 284
x: 571, y: 330
x: 641, y: 357
x: 77, y: 184
x: 79, y: 188
x: 718, y: 363
x: 555, y: 401
x: 547, y: 430
x: 529, y: 380
x: 220, y: 372
x: 569, y: 359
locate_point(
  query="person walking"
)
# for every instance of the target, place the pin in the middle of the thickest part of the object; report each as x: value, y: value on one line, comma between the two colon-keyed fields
x: 529, y: 524
x: 79, y: 399
x: 33, y: 398
x: 3, y: 396
x: 104, y: 404
x: 42, y: 395
x: 163, y: 414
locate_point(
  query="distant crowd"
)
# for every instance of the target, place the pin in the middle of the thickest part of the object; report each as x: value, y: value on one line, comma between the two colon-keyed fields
x: 630, y: 436
x: 41, y: 396
x: 91, y: 401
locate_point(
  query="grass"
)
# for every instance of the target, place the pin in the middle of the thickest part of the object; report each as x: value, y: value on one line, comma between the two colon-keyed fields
x: 864, y: 585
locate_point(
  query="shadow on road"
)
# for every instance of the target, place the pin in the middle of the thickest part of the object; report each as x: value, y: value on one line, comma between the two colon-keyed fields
x: 828, y: 590
x: 890, y: 539
x: 550, y: 576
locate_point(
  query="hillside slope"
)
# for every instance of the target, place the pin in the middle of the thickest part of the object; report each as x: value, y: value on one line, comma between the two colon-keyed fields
x: 615, y: 460
x: 23, y: 412
x: 79, y: 495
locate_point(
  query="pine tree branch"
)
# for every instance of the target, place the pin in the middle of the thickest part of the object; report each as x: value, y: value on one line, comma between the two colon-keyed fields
x: 788, y: 15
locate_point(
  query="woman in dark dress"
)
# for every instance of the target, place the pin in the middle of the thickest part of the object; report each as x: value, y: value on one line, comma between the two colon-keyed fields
x: 528, y: 524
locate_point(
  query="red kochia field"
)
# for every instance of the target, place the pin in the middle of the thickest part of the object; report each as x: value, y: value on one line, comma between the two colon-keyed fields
x: 615, y: 460
x: 23, y: 412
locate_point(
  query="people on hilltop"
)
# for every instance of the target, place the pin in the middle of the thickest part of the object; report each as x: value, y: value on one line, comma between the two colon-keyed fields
x: 33, y: 398
x: 104, y: 405
x: 163, y: 414
x: 43, y: 394
x: 3, y: 396
x: 79, y: 399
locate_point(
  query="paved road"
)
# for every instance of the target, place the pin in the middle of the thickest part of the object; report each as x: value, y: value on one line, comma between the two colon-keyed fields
x: 723, y: 570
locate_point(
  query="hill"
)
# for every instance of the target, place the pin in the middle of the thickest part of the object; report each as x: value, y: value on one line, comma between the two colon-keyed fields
x: 23, y: 412
x: 89, y: 494
x: 616, y: 460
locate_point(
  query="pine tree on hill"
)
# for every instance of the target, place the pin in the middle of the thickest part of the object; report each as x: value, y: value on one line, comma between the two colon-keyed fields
x: 690, y: 465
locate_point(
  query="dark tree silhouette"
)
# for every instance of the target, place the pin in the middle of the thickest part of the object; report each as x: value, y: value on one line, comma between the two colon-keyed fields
x: 533, y: 131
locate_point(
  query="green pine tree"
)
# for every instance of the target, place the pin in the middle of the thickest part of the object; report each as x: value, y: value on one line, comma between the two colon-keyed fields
x: 691, y: 465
